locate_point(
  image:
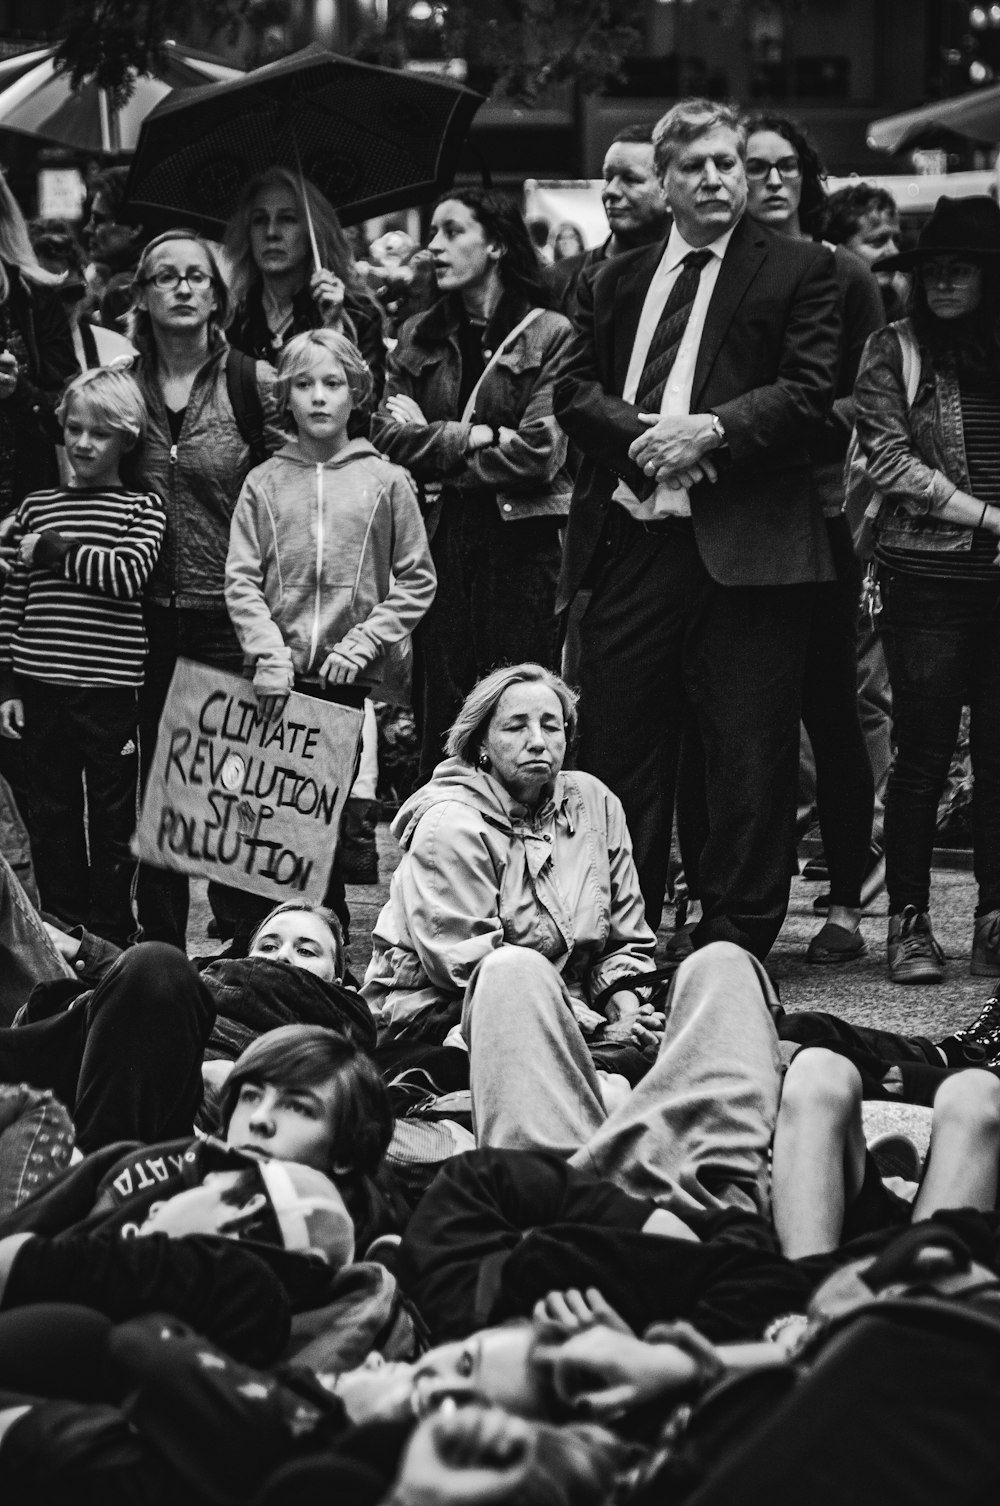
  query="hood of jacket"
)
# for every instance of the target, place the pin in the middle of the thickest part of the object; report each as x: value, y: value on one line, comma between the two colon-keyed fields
x: 457, y: 780
x: 293, y: 451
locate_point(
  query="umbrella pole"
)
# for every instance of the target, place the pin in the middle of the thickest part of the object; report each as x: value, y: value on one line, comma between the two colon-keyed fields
x: 111, y: 137
x: 317, y: 264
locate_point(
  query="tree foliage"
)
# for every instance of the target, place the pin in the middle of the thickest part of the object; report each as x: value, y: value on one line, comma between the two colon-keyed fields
x: 526, y: 44
x: 113, y: 41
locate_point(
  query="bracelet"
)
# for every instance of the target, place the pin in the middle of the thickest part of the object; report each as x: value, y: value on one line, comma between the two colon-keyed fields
x: 982, y: 519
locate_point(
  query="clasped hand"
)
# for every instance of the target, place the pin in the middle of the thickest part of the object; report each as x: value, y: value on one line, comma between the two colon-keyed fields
x: 674, y: 450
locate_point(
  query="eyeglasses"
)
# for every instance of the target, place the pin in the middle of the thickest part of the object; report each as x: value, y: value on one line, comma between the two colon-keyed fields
x: 168, y: 278
x: 955, y: 273
x: 758, y: 171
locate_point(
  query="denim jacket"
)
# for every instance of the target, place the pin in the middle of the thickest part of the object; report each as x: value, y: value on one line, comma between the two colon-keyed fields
x: 528, y: 477
x: 915, y: 456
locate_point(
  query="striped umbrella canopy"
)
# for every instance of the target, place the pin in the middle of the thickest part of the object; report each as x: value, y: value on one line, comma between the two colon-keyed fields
x: 36, y: 100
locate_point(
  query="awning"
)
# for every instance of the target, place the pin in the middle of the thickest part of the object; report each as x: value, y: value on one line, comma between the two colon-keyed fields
x: 974, y: 115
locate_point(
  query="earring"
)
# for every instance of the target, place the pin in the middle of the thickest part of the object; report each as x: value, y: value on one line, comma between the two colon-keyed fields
x: 483, y: 761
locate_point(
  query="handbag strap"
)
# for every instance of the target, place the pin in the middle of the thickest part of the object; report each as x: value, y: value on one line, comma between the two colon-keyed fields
x: 508, y: 340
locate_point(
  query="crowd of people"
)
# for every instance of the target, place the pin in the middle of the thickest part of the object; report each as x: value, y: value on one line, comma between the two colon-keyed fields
x: 539, y: 1210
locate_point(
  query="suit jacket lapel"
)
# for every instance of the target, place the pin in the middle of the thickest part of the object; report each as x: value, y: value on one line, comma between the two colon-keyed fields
x: 630, y: 295
x: 746, y: 251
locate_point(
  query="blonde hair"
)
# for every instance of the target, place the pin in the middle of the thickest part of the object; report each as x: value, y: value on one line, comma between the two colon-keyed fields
x: 470, y: 725
x: 113, y: 395
x: 16, y: 249
x: 140, y: 326
x: 687, y: 120
x: 310, y: 907
x: 300, y: 355
x: 334, y: 248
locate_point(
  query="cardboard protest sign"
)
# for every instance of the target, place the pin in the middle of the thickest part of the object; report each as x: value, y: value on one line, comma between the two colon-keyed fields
x: 243, y: 800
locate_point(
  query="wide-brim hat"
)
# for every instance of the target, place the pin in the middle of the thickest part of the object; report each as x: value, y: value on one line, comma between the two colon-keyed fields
x: 958, y: 227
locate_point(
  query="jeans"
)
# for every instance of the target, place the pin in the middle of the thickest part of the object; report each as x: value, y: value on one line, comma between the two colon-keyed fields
x: 207, y: 637
x: 495, y: 604
x: 27, y: 956
x: 942, y: 641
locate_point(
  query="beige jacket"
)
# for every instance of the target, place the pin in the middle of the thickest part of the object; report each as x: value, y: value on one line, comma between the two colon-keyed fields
x: 478, y: 873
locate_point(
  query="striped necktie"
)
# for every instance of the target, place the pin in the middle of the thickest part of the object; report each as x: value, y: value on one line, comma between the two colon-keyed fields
x: 669, y: 332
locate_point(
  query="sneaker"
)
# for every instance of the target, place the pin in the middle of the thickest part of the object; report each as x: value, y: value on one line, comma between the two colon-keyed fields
x: 913, y: 954
x: 895, y: 1155
x: 986, y: 946
x: 977, y: 1044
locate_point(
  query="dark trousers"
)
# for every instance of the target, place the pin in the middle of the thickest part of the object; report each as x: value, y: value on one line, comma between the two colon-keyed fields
x: 77, y: 737
x: 495, y: 604
x: 845, y: 788
x: 207, y: 637
x: 127, y: 1064
x: 660, y: 641
x: 942, y: 641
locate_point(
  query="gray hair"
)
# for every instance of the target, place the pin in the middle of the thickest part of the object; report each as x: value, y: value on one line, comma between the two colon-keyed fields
x: 687, y: 120
x: 469, y: 727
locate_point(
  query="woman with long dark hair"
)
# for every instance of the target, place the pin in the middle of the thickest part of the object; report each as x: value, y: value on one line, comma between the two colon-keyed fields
x: 928, y: 423
x: 468, y: 411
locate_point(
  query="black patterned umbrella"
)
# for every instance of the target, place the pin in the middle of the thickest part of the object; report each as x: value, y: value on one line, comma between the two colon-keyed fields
x: 372, y: 140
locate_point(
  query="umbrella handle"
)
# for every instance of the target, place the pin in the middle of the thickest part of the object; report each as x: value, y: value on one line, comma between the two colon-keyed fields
x: 317, y: 264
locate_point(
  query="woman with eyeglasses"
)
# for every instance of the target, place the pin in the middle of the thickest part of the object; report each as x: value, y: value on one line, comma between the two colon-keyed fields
x: 196, y: 456
x: 932, y: 448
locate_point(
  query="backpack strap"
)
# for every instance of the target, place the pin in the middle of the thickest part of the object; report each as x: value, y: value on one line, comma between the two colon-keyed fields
x: 244, y: 398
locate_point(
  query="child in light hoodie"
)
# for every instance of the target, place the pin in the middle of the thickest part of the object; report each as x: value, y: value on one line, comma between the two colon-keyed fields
x: 329, y: 569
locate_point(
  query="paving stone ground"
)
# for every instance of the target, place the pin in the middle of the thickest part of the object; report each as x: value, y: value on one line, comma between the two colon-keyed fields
x: 859, y: 991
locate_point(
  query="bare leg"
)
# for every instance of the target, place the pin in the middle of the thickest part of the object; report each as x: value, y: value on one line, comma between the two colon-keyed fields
x: 961, y: 1169
x: 818, y: 1162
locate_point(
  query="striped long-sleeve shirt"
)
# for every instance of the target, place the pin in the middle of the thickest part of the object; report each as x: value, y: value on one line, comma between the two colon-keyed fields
x: 80, y: 622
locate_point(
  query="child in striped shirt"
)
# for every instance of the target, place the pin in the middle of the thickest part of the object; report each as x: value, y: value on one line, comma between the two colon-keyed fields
x: 72, y: 645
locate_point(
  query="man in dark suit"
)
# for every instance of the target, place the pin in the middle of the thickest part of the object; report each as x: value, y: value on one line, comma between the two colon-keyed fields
x: 696, y: 374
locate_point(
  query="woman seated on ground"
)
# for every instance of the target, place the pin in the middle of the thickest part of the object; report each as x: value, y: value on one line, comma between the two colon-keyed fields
x: 515, y: 873
x: 825, y: 1185
x: 122, y: 1041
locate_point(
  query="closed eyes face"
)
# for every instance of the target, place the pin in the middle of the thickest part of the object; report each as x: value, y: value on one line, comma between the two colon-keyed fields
x: 94, y: 449
x: 525, y: 742
x: 632, y: 194
x: 299, y: 939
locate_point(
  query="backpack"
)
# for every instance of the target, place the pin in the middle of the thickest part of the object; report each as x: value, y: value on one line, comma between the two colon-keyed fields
x: 862, y: 498
x: 244, y: 398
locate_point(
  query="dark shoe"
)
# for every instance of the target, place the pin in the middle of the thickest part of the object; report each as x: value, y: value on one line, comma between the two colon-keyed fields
x: 913, y: 954
x: 835, y: 943
x: 978, y: 1044
x: 815, y: 871
x: 357, y: 852
x: 986, y: 946
x: 680, y: 944
x: 896, y: 1155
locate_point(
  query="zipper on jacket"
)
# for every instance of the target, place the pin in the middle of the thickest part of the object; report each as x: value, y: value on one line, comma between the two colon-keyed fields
x: 175, y: 531
x: 314, y: 645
